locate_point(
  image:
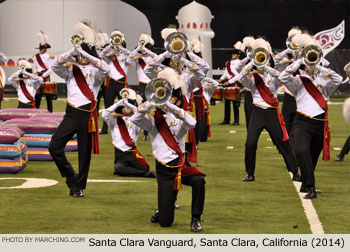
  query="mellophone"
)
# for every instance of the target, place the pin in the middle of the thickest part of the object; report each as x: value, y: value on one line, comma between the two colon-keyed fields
x: 231, y: 93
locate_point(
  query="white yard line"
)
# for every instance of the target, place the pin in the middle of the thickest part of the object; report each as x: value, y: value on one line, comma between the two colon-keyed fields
x: 310, y: 212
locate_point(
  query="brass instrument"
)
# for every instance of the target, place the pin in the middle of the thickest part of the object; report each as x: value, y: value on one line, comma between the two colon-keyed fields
x: 260, y: 57
x: 124, y: 93
x: 311, y: 55
x: 142, y: 42
x: 76, y: 40
x: 176, y: 43
x: 116, y: 39
x: 158, y: 91
x: 290, y: 44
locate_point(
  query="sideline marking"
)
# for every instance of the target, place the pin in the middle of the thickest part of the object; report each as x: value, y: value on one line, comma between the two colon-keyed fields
x: 113, y: 181
x: 310, y: 211
x: 31, y: 183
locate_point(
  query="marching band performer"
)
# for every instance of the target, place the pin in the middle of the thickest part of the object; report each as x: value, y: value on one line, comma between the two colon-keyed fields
x: 168, y: 128
x: 189, y: 71
x: 83, y: 77
x: 117, y: 57
x: 128, y: 161
x: 263, y: 84
x: 26, y: 83
x: 140, y: 63
x: 229, y: 73
x: 42, y: 62
x: 3, y: 58
x: 312, y: 88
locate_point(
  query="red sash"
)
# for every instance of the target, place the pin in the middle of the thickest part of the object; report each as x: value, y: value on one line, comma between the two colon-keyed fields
x: 40, y: 61
x: 268, y: 97
x: 120, y: 70
x: 93, y: 120
x: 228, y: 67
x: 26, y: 93
x: 208, y: 118
x: 183, y: 169
x: 200, y: 108
x: 128, y: 141
x: 142, y: 63
x: 318, y: 97
x: 191, y: 137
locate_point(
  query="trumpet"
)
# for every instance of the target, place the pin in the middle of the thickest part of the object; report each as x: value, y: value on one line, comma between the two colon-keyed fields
x: 124, y: 93
x: 158, y: 91
x: 311, y: 55
x: 76, y: 40
x: 116, y: 39
x: 176, y: 43
x: 260, y: 57
x: 142, y: 42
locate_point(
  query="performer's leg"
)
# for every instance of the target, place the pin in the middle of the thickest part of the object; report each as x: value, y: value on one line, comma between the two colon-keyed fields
x: 227, y: 117
x: 346, y: 148
x: 38, y: 99
x: 62, y: 135
x: 197, y: 182
x: 248, y: 99
x: 84, y: 149
x: 127, y: 165
x: 255, y: 128
x: 166, y: 194
x: 236, y: 112
x: 274, y: 128
x: 49, y: 102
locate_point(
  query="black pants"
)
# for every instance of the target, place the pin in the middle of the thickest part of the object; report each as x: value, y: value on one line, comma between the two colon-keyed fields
x: 48, y: 100
x: 74, y: 121
x: 289, y: 112
x: 0, y: 97
x: 101, y: 93
x: 346, y: 148
x: 266, y: 119
x: 142, y: 87
x: 24, y: 105
x: 235, y: 105
x: 125, y: 164
x: 248, y: 106
x: 113, y: 91
x: 167, y: 195
x: 308, y: 136
x: 201, y: 128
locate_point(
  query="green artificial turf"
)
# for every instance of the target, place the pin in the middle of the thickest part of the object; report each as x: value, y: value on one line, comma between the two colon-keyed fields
x: 268, y: 205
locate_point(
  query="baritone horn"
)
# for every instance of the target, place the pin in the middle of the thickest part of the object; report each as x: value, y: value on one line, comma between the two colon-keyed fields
x: 260, y: 57
x: 116, y: 39
x: 158, y: 91
x: 311, y: 55
x: 176, y: 43
x: 290, y: 44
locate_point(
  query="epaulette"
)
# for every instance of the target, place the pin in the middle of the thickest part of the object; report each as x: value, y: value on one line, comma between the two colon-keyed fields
x: 68, y: 64
x: 151, y: 113
x: 52, y: 56
x: 250, y: 75
x: 326, y: 77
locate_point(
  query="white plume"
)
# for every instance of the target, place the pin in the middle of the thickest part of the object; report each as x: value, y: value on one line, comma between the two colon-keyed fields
x: 139, y: 99
x: 145, y: 37
x: 105, y: 38
x: 346, y: 110
x: 42, y: 37
x: 166, y: 32
x: 238, y: 45
x: 174, y: 78
x: 100, y: 41
x: 24, y: 63
x: 117, y: 32
x: 248, y: 41
x: 87, y: 33
x: 302, y: 40
x: 294, y: 31
x: 260, y: 42
x: 196, y: 45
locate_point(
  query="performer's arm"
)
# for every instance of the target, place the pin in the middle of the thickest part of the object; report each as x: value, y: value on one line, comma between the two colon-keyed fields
x: 274, y: 73
x: 107, y: 113
x: 3, y: 57
x: 188, y: 121
x: 287, y: 78
x: 13, y: 77
x: 58, y: 66
x: 333, y: 78
x: 36, y: 79
x: 103, y: 53
x: 280, y: 56
x: 154, y: 64
x: 243, y: 62
x: 149, y: 52
x: 195, y: 73
x: 140, y: 118
x: 199, y: 61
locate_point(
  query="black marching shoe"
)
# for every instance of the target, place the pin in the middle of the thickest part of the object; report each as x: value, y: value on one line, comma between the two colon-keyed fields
x: 155, y: 217
x: 145, y: 138
x: 248, y: 178
x: 305, y: 190
x: 77, y: 192
x: 196, y: 225
x: 103, y: 132
x: 339, y: 158
x: 235, y: 123
x: 150, y: 174
x: 296, y: 177
x: 311, y: 194
x: 176, y: 206
x: 224, y: 122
